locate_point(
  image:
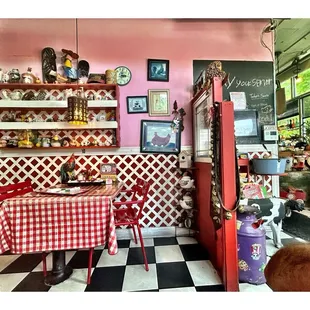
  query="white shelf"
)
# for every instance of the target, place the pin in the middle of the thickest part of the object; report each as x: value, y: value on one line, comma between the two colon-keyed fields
x: 56, y: 125
x: 54, y: 104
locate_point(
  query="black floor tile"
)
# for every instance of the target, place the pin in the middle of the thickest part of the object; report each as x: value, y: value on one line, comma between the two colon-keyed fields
x: 107, y: 279
x: 210, y: 288
x: 165, y: 241
x: 194, y: 252
x: 24, y: 263
x: 286, y: 241
x: 172, y: 275
x: 135, y: 256
x: 80, y: 259
x: 123, y: 243
x: 33, y: 282
x: 145, y: 291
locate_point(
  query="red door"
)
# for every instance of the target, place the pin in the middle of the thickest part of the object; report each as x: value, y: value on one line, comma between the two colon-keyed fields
x: 216, y: 182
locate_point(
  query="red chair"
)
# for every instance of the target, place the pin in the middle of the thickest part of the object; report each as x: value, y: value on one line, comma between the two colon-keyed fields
x: 129, y: 212
x: 13, y: 190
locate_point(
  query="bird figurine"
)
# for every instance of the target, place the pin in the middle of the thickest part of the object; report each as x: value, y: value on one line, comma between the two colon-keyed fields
x: 67, y: 170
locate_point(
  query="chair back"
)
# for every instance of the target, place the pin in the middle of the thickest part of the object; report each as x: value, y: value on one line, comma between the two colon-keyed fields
x: 12, y: 190
x: 140, y: 192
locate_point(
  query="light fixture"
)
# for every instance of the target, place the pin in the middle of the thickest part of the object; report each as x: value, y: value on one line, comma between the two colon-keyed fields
x: 77, y: 104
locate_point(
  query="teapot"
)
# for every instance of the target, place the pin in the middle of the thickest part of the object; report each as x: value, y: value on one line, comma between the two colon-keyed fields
x: 186, y: 182
x: 186, y: 202
x: 16, y: 95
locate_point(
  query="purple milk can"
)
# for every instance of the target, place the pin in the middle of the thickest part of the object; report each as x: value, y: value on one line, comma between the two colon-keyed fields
x: 252, y: 257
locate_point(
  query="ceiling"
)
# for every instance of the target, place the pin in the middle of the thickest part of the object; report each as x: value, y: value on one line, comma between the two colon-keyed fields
x: 292, y: 39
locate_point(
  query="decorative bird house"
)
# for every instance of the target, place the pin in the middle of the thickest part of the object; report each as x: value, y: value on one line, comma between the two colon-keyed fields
x: 185, y: 160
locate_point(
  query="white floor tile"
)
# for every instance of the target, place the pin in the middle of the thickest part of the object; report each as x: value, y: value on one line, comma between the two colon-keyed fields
x: 270, y: 248
x: 168, y: 253
x: 118, y: 259
x: 203, y: 273
x: 9, y: 281
x: 76, y: 282
x: 49, y: 261
x: 186, y: 240
x: 179, y: 289
x: 137, y: 279
x: 147, y: 242
x: 6, y: 260
x: 247, y: 287
x: 301, y: 240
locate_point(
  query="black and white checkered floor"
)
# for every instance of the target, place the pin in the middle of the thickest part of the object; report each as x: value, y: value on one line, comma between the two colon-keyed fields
x: 175, y: 264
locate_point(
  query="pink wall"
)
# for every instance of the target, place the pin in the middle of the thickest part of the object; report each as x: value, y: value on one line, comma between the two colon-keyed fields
x: 108, y: 43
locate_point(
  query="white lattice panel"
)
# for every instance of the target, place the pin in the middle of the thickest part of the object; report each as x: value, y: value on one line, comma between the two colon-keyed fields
x: 162, y: 208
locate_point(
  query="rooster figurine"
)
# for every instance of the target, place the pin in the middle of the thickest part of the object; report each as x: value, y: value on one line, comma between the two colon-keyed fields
x: 213, y: 70
x: 67, y: 170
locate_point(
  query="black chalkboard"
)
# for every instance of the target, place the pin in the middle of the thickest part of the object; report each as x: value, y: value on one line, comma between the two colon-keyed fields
x: 256, y: 80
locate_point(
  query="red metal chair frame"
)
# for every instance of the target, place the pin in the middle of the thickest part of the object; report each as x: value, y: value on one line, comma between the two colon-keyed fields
x: 13, y: 190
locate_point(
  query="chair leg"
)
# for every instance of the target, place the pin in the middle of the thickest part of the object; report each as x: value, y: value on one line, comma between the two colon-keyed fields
x: 142, y: 248
x: 44, y: 254
x: 134, y: 234
x: 90, y: 263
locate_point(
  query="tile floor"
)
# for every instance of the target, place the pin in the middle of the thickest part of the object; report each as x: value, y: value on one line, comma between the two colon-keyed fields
x: 175, y: 264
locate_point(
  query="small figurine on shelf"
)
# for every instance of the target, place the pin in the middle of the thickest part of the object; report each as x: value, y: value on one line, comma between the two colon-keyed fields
x: 67, y: 170
x: 70, y: 72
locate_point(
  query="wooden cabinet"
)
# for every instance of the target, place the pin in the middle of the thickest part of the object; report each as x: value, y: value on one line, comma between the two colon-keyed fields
x: 48, y: 116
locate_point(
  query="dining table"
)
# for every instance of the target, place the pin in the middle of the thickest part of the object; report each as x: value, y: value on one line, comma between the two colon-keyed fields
x: 46, y: 221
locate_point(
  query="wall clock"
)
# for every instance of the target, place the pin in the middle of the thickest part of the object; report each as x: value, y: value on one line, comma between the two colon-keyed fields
x: 123, y: 75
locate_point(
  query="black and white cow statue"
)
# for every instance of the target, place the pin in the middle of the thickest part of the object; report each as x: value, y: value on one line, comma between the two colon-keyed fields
x: 272, y: 211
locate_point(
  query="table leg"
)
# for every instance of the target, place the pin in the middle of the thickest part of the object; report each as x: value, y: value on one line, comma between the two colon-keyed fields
x: 60, y: 271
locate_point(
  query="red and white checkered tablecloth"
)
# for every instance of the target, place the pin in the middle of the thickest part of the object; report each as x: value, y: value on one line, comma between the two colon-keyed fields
x: 39, y: 222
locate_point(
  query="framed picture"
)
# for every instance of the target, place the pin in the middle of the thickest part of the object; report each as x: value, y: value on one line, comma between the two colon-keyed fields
x: 108, y: 171
x: 159, y: 103
x: 159, y: 137
x: 158, y: 70
x: 137, y: 104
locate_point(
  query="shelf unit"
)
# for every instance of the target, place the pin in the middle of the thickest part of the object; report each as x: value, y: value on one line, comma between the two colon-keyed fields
x: 101, y: 131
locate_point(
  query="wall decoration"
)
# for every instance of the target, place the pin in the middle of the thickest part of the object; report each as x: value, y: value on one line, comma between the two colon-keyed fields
x: 137, y: 104
x: 67, y: 58
x: 158, y: 70
x: 49, y: 70
x: 83, y: 68
x: 123, y: 75
x: 159, y: 102
x: 158, y: 137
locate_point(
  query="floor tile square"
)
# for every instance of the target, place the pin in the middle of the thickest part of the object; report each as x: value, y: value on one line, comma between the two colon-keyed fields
x: 168, y: 253
x: 247, y: 287
x: 80, y: 259
x: 147, y: 242
x: 179, y: 289
x: 119, y: 259
x: 24, y: 263
x: 76, y: 283
x: 288, y: 241
x: 33, y: 282
x: 173, y: 275
x: 135, y: 256
x: 194, y: 252
x: 9, y: 281
x: 6, y: 260
x: 186, y: 240
x: 122, y: 244
x: 138, y: 279
x: 203, y: 273
x: 211, y: 288
x: 107, y: 279
x: 270, y: 248
x: 165, y: 241
x: 49, y: 261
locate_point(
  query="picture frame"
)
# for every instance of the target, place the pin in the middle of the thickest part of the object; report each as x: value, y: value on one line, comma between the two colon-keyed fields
x: 158, y: 70
x: 159, y: 102
x: 159, y: 137
x: 108, y: 171
x: 137, y: 104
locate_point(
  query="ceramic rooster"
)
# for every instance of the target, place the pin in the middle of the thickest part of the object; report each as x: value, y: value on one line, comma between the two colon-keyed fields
x: 160, y: 141
x: 214, y: 69
x: 67, y: 170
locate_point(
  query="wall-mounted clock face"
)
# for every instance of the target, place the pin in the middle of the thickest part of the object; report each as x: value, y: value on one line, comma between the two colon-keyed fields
x: 123, y: 75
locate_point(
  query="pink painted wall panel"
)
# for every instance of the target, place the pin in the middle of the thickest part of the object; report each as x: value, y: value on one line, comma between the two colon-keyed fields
x: 108, y: 43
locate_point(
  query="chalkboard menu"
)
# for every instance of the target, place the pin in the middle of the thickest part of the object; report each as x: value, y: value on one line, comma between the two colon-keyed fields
x: 256, y: 80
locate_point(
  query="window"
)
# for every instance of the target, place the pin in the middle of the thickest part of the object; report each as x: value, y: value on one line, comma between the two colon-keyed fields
x: 303, y: 82
x: 306, y: 103
x: 288, y: 89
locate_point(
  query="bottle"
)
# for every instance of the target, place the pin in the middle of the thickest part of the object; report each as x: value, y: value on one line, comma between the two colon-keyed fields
x: 293, y: 124
x: 290, y: 124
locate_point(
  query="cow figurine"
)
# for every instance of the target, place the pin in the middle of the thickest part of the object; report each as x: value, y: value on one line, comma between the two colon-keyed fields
x: 272, y: 211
